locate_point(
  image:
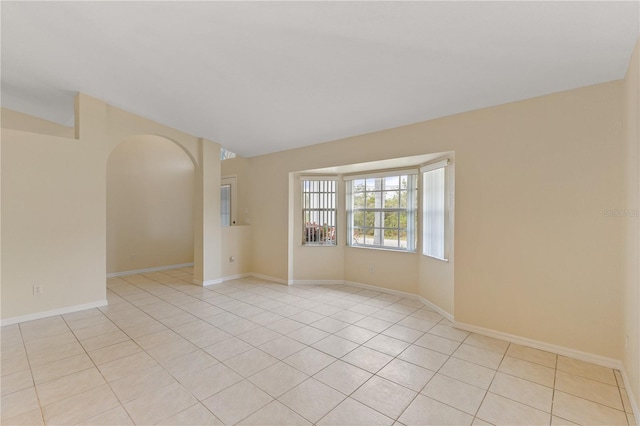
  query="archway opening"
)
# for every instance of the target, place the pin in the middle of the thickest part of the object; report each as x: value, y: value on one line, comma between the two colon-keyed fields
x: 150, y: 205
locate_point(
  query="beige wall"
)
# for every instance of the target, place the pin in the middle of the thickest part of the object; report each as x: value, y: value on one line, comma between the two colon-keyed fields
x: 631, y: 291
x: 27, y: 123
x: 54, y: 208
x: 53, y: 218
x: 236, y: 243
x: 150, y: 200
x: 535, y: 255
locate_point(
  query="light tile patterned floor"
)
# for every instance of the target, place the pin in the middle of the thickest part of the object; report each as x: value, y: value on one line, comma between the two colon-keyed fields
x: 256, y: 353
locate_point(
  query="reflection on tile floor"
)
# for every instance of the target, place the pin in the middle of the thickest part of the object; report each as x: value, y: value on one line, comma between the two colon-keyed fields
x: 253, y: 352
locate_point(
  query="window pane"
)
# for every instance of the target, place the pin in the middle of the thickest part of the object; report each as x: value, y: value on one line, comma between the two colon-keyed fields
x: 391, y: 199
x: 225, y: 205
x: 373, y: 184
x: 391, y: 220
x: 392, y: 182
x: 358, y: 219
x: 358, y: 200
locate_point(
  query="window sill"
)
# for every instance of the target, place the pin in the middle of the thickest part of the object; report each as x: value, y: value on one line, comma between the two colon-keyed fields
x: 441, y: 259
x: 383, y: 249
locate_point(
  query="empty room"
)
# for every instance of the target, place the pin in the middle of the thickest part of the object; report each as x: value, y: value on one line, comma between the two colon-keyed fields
x: 331, y: 213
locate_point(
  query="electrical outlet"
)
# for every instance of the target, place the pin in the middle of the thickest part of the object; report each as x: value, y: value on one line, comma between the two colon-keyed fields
x: 132, y: 257
x: 37, y: 289
x: 372, y: 268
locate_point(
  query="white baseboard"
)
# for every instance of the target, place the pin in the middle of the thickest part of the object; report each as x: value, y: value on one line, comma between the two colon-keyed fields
x: 560, y: 350
x: 269, y: 278
x: 53, y: 313
x: 382, y: 289
x: 436, y: 308
x: 627, y: 387
x: 316, y: 282
x: 208, y: 282
x: 146, y: 270
x: 235, y: 277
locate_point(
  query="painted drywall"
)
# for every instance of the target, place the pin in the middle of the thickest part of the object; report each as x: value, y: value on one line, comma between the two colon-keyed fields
x: 54, y: 209
x: 535, y: 255
x: 236, y: 251
x: 629, y: 217
x: 18, y: 121
x: 53, y: 218
x: 150, y: 200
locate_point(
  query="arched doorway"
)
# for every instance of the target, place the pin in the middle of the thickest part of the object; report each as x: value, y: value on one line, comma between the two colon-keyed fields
x: 150, y: 205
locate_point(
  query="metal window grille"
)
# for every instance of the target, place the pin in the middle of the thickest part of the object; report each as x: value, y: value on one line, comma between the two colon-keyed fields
x: 319, y: 212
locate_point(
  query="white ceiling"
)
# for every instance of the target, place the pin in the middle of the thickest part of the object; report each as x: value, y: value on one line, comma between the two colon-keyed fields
x: 260, y: 77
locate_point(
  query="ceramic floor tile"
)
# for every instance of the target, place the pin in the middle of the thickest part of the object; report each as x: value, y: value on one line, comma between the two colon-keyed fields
x: 417, y: 324
x: 66, y: 386
x: 343, y: 376
x: 403, y: 333
x: 468, y: 372
x: 462, y: 396
x: 356, y: 334
x: 307, y: 335
x: 423, y: 357
x: 54, y: 354
x: 275, y: 414
x: 367, y: 359
x: 248, y: 363
x: 488, y: 343
x: 309, y: 360
x: 436, y: 343
x: 204, y: 383
x: 348, y: 316
x: 592, y: 390
x: 30, y: 418
x: 523, y: 391
x: 586, y: 369
x: 406, y: 374
x: 385, y: 396
x: 354, y: 413
x: 426, y: 411
x: 115, y: 416
x: 159, y: 338
x: 102, y: 340
x: 80, y: 407
x: 114, y: 352
x: 449, y: 333
x: 237, y: 402
x: 478, y: 356
x: 282, y: 347
x: 169, y: 351
x: 335, y: 346
x: 387, y: 345
x: 285, y: 326
x: 330, y: 325
x: 14, y: 382
x: 259, y: 336
x: 50, y: 342
x: 228, y: 348
x: 128, y: 365
x: 189, y: 363
x: 63, y: 367
x: 278, y: 379
x: 195, y: 415
x: 19, y: 402
x: 159, y: 404
x: 373, y: 324
x: 312, y: 399
x: 499, y: 410
x: 536, y: 356
x: 136, y: 385
x: 527, y: 370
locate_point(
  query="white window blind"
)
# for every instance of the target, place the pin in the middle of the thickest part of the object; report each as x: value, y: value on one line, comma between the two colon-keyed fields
x: 434, y: 211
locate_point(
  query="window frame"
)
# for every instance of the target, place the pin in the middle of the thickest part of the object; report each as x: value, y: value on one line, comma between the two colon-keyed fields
x: 323, y: 204
x: 379, y: 212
